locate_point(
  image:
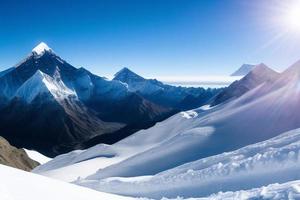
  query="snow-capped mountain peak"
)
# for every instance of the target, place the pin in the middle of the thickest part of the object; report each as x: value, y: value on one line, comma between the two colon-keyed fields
x: 41, y: 48
x: 42, y: 83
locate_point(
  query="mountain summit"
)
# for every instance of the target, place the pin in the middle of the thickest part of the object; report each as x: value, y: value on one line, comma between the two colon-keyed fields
x: 125, y: 75
x: 41, y: 48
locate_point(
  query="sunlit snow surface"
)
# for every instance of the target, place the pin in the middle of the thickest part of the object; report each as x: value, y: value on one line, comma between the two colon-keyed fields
x: 20, y: 185
x: 271, y: 161
x: 41, y: 48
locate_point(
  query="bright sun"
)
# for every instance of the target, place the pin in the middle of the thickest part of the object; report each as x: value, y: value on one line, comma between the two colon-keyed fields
x: 291, y: 16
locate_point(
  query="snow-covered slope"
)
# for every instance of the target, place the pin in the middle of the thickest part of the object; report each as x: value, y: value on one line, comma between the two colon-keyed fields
x: 243, y: 70
x: 273, y: 161
x: 19, y: 185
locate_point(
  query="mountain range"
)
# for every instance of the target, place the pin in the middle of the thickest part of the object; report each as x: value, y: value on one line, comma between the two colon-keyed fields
x: 249, y: 141
x: 52, y: 107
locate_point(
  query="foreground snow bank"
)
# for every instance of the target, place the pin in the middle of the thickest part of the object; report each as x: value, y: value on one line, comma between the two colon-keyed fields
x: 289, y: 190
x: 19, y: 185
x: 271, y: 161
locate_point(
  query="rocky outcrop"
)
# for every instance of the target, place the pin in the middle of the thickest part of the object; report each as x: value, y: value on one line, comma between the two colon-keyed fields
x: 13, y: 157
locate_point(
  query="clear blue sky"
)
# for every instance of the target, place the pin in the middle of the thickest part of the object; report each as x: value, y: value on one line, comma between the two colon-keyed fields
x: 154, y: 38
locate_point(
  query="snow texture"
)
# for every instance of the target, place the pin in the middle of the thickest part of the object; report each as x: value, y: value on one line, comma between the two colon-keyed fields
x: 41, y: 48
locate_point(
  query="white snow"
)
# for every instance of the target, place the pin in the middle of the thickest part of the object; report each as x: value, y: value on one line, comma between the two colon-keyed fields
x: 289, y: 190
x: 19, y: 185
x: 41, y: 48
x: 189, y: 114
x: 37, y: 156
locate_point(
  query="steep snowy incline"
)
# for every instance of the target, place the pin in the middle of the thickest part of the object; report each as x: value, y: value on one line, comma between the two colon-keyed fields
x: 19, y: 185
x: 273, y: 161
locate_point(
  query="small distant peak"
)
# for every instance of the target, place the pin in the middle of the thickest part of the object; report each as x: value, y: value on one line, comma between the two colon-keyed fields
x: 125, y: 70
x: 125, y: 74
x: 41, y: 48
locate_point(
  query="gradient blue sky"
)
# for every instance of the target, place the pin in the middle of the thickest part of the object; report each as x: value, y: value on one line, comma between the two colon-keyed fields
x: 154, y: 38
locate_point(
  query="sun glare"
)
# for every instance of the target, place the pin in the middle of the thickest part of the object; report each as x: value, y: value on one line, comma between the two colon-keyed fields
x: 291, y: 16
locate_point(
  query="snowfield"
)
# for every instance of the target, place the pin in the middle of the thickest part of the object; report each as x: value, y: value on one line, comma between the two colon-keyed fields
x: 273, y: 161
x: 19, y: 185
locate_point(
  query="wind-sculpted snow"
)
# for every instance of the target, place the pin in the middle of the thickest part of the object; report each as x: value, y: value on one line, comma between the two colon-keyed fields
x: 288, y: 190
x: 271, y: 161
